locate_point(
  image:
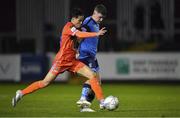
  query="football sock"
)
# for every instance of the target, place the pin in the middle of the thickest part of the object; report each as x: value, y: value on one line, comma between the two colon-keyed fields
x: 33, y: 87
x: 85, y: 90
x: 96, y: 88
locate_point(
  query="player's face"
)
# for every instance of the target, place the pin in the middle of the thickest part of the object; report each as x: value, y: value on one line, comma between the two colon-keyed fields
x: 78, y: 21
x: 98, y: 17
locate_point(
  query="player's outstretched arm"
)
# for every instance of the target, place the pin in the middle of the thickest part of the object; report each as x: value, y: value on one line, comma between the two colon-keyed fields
x: 80, y: 34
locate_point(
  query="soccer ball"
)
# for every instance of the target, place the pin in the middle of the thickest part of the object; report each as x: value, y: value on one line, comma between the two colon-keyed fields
x: 111, y: 103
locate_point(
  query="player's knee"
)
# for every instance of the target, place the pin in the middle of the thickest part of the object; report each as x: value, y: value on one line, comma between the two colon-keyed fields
x: 92, y: 75
x: 45, y: 83
x: 87, y: 82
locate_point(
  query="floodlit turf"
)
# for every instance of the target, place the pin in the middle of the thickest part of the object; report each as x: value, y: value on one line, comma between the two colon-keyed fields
x: 144, y: 99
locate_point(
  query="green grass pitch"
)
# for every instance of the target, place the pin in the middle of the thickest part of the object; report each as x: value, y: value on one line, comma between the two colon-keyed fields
x: 59, y: 100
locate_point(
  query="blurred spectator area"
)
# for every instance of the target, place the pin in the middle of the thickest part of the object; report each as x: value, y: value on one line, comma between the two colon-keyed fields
x: 12, y: 45
x: 31, y: 26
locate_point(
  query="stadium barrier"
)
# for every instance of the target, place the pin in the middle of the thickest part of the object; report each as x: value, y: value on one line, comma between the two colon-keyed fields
x: 10, y: 68
x: 33, y: 67
x: 113, y: 66
x: 139, y: 66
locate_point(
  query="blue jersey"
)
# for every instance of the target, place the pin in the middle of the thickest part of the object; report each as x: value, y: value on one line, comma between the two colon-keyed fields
x: 88, y: 46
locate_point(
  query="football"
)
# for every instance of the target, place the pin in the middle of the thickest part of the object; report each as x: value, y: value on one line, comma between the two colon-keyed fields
x: 111, y: 103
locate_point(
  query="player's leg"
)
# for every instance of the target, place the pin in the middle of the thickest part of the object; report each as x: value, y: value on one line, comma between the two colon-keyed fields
x: 87, y: 93
x: 51, y: 75
x: 39, y: 84
x: 95, y: 85
x: 90, y: 95
x: 33, y: 87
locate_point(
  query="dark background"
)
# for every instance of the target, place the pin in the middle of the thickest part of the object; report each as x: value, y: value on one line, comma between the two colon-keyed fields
x: 133, y: 25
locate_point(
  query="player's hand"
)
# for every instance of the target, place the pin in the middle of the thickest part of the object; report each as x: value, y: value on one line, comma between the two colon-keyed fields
x: 101, y: 31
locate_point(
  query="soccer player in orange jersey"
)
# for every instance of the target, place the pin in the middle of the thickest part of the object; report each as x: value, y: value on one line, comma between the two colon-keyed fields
x: 65, y: 60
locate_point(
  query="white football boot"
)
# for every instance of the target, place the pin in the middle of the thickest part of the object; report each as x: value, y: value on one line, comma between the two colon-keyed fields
x: 86, y: 109
x: 17, y: 98
x: 83, y: 102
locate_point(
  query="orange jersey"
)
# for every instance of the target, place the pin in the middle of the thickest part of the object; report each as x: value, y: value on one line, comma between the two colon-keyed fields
x: 66, y: 57
x: 67, y: 51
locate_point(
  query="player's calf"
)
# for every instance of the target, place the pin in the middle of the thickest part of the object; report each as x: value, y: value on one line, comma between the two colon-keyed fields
x: 87, y: 96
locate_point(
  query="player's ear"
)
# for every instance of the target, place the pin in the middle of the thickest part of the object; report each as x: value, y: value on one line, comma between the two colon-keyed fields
x: 94, y: 12
x: 73, y: 18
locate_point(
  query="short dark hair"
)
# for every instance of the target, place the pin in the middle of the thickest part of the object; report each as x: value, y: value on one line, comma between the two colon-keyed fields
x: 75, y: 12
x: 100, y: 8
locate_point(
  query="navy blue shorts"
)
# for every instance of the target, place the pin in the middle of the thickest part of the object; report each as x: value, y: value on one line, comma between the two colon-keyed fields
x: 91, y: 63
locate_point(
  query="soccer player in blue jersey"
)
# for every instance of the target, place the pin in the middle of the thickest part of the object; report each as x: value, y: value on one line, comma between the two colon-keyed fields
x: 87, y: 54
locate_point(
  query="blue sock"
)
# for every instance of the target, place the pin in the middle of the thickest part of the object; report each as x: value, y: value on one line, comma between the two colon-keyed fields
x: 85, y: 90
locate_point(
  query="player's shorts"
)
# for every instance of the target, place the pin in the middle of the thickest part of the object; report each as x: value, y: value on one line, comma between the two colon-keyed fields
x: 91, y: 62
x: 61, y: 66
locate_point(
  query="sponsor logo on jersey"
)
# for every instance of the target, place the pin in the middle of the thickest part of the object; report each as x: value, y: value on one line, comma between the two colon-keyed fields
x: 73, y: 29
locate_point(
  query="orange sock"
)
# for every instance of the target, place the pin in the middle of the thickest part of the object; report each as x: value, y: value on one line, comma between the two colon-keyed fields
x: 96, y: 88
x: 33, y: 87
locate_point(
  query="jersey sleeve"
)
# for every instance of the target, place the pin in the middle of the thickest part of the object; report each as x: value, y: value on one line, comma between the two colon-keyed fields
x: 70, y: 31
x: 80, y: 34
